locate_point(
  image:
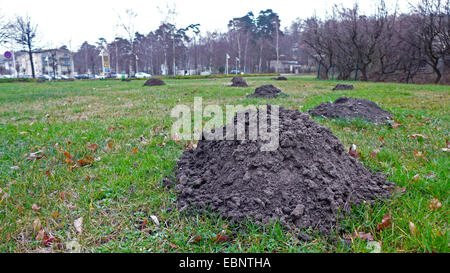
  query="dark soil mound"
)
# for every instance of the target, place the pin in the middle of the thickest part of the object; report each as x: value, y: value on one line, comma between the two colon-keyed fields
x: 343, y: 87
x: 266, y: 91
x: 238, y: 82
x: 281, y: 78
x: 303, y: 183
x: 126, y: 80
x: 154, y: 82
x: 348, y: 108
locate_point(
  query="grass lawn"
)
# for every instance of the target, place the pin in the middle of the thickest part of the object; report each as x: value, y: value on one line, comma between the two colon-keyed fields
x: 118, y: 184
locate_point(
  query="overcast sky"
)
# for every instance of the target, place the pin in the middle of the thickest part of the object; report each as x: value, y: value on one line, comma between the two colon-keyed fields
x: 71, y: 22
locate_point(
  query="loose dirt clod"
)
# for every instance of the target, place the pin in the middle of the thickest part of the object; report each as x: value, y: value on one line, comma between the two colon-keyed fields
x: 343, y: 87
x: 266, y: 91
x: 154, y: 82
x: 348, y: 108
x: 304, y: 183
x: 238, y: 82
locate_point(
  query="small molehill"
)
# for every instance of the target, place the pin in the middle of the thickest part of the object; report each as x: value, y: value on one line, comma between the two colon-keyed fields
x: 281, y: 78
x: 238, y: 82
x: 349, y: 108
x: 343, y: 87
x: 267, y: 91
x: 154, y: 82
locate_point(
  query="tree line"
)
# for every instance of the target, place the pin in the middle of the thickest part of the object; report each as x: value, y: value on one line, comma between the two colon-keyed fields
x: 385, y: 45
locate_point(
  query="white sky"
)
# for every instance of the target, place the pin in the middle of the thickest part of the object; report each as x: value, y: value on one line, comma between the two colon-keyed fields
x: 71, y: 22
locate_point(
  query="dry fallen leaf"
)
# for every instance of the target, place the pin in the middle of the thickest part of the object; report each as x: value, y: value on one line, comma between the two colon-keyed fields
x: 221, y: 238
x: 62, y: 195
x: 434, y: 204
x: 37, y: 225
x: 374, y: 153
x: 35, y: 208
x: 385, y: 222
x: 364, y: 236
x: 155, y: 220
x: 35, y: 156
x: 78, y: 223
x: 48, y: 240
x: 396, y: 124
x: 418, y: 135
x: 92, y: 146
x: 40, y: 235
x: 412, y: 228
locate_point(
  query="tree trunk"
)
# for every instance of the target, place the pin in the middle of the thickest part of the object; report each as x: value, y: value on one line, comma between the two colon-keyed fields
x: 30, y: 53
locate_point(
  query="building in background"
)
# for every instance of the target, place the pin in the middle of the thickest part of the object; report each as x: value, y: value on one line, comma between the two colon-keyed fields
x: 58, y: 61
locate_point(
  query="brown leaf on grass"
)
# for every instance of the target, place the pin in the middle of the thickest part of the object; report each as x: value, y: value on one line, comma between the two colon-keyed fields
x: 385, y: 222
x: 40, y: 235
x: 416, y: 177
x: 68, y: 158
x: 36, y: 156
x: 87, y: 160
x: 144, y: 224
x: 62, y: 195
x: 381, y: 139
x: 78, y: 224
x: 54, y: 214
x: 396, y: 124
x: 92, y: 146
x: 197, y: 238
x: 37, y: 225
x: 221, y: 238
x: 48, y: 240
x: 412, y: 228
x: 434, y: 204
x: 374, y: 153
x: 135, y: 150
x: 397, y: 190
x: 35, y: 208
x: 418, y: 154
x: 47, y: 173
x: 418, y: 135
x: 68, y: 141
x: 172, y: 245
x: 364, y: 236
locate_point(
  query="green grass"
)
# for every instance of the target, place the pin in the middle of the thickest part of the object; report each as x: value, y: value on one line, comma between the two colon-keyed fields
x: 123, y: 187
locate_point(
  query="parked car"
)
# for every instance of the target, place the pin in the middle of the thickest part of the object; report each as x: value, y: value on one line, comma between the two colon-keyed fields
x: 64, y: 77
x: 121, y: 76
x: 235, y: 72
x: 45, y: 77
x: 99, y: 77
x: 141, y: 75
x: 82, y: 77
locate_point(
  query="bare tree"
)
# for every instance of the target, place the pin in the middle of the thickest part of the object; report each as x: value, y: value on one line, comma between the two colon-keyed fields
x: 128, y: 25
x: 23, y: 32
x: 432, y: 30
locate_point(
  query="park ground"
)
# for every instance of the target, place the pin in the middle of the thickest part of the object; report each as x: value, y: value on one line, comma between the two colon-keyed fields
x: 82, y: 166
